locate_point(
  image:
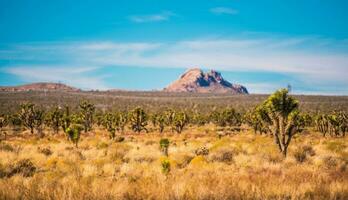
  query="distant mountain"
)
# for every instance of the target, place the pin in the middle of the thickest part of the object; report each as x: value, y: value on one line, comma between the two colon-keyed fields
x: 43, y: 86
x: 195, y: 80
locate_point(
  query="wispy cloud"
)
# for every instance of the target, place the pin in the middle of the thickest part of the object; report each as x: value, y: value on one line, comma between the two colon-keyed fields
x: 316, y: 62
x: 74, y: 75
x: 163, y: 16
x: 224, y: 10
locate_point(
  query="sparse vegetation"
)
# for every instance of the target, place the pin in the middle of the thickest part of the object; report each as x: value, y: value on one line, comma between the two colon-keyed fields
x: 136, y: 163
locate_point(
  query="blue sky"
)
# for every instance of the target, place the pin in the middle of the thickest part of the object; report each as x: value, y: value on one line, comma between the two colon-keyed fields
x: 146, y: 44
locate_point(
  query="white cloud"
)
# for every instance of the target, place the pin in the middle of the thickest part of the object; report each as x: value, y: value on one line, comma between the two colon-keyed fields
x: 315, y: 61
x: 163, y: 16
x: 74, y: 76
x: 224, y: 10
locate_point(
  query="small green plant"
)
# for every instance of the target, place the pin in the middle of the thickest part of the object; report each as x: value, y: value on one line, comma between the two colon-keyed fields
x: 165, y: 166
x: 74, y: 133
x: 164, y: 145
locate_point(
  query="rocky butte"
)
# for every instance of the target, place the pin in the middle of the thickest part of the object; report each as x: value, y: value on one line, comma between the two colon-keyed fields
x: 195, y: 80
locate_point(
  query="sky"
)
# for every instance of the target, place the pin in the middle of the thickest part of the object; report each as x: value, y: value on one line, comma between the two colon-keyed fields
x: 147, y: 44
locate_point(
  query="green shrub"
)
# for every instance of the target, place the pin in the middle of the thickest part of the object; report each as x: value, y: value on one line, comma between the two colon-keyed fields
x: 164, y: 145
x: 165, y: 166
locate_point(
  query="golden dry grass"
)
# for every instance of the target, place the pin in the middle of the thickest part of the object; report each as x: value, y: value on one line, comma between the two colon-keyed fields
x: 238, y: 166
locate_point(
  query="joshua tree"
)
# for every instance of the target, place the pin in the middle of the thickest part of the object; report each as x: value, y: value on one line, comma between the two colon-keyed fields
x: 180, y: 120
x: 54, y: 119
x: 138, y: 120
x: 282, y: 109
x: 87, y: 111
x: 169, y: 118
x: 109, y: 123
x: 39, y: 117
x: 3, y: 123
x: 31, y: 117
x: 73, y: 133
x: 27, y: 116
x: 164, y: 145
x: 258, y: 119
x: 121, y: 121
x: 227, y: 117
x: 66, y: 119
x: 159, y: 119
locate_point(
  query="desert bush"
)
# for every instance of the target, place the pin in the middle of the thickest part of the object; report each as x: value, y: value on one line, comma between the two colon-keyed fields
x: 302, y: 152
x: 24, y: 167
x: 221, y: 155
x: 329, y: 162
x: 164, y: 145
x: 45, y: 150
x: 119, y: 139
x: 336, y: 146
x: 6, y: 147
x: 73, y: 133
x: 202, y: 151
x: 165, y: 163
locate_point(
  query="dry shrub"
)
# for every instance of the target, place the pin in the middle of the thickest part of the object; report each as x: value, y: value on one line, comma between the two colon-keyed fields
x: 202, y: 151
x: 6, y: 147
x: 119, y: 139
x: 24, y: 167
x: 221, y: 155
x: 45, y: 150
x: 182, y: 160
x: 118, y: 152
x: 330, y: 162
x: 302, y: 152
x: 102, y: 145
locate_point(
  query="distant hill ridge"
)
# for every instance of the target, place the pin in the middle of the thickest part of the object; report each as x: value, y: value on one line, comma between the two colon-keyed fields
x: 195, y: 80
x: 41, y: 86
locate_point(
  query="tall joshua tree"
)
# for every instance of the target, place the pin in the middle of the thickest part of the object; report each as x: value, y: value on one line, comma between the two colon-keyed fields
x: 87, y: 112
x: 54, y: 119
x: 138, y: 120
x: 180, y: 121
x: 283, y: 111
x: 27, y: 116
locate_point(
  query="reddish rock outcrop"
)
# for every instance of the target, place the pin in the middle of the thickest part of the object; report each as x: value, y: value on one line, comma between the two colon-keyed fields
x: 195, y: 80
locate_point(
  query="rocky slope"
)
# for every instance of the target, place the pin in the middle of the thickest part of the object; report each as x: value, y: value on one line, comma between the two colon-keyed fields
x: 195, y: 80
x: 40, y: 87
